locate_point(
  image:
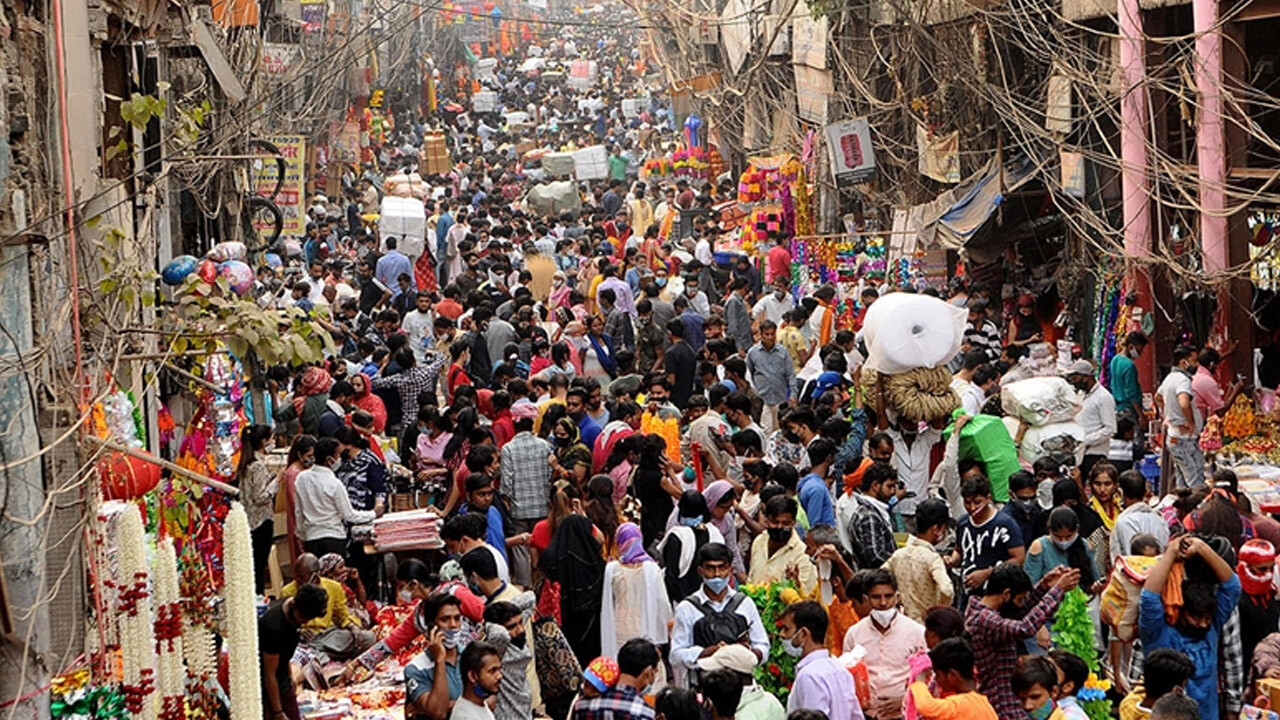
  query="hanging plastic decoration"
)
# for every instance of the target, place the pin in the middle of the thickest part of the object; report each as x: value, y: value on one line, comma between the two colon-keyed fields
x: 692, y: 126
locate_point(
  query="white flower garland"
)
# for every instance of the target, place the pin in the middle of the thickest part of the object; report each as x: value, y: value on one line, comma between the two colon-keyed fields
x: 242, y: 617
x: 170, y: 674
x: 137, y: 642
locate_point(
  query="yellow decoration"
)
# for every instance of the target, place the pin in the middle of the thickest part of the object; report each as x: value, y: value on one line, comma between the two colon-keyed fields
x: 1239, y: 420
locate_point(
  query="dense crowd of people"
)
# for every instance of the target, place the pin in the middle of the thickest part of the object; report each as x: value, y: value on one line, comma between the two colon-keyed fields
x: 619, y: 432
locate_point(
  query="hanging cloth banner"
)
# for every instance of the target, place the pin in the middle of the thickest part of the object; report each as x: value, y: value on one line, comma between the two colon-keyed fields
x: 1072, y: 173
x: 939, y: 155
x: 808, y: 38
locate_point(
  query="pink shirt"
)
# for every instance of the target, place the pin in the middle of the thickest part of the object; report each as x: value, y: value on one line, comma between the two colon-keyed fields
x: 886, y: 660
x: 1206, y: 392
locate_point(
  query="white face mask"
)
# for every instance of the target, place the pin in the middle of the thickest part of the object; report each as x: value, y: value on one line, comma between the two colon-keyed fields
x: 406, y: 597
x: 790, y: 646
x: 884, y: 617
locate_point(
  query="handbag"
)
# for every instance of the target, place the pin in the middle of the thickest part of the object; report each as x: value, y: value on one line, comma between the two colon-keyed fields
x: 559, y: 673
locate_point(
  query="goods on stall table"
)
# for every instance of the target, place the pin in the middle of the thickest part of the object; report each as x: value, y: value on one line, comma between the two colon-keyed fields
x: 407, y: 530
x: 1239, y: 420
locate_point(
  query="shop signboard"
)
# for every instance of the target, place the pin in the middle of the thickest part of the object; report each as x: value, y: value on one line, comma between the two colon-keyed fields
x: 289, y: 199
x: 853, y: 160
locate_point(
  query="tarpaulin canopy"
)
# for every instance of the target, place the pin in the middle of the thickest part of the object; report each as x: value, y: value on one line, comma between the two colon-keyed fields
x: 955, y: 216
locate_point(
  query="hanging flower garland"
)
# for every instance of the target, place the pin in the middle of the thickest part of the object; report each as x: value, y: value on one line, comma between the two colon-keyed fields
x: 242, y: 618
x: 137, y: 642
x: 197, y: 635
x: 170, y: 674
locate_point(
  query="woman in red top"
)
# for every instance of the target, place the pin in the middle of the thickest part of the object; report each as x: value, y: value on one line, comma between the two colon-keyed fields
x: 368, y: 402
x: 417, y: 584
x: 301, y: 456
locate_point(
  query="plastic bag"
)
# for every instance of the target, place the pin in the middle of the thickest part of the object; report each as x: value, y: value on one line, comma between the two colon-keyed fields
x: 1040, y: 401
x: 904, y: 331
x: 1064, y: 441
x: 985, y: 439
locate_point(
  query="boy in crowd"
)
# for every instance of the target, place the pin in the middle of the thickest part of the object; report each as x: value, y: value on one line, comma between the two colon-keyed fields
x: 953, y: 667
x: 922, y: 575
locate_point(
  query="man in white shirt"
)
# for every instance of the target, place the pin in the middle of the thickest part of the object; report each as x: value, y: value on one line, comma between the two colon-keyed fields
x: 986, y: 379
x: 418, y: 325
x: 694, y: 635
x: 323, y: 506
x: 481, y: 670
x: 1097, y: 416
x: 1176, y: 403
x: 913, y: 457
x: 775, y: 304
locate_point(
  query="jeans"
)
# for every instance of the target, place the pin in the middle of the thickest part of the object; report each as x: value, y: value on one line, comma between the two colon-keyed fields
x: 1187, y: 461
x: 261, y: 538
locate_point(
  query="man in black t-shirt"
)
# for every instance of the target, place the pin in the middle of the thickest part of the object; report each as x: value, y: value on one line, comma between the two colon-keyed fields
x: 278, y: 637
x: 680, y: 364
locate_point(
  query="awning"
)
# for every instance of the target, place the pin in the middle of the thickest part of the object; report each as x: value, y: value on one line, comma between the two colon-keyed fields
x: 955, y: 216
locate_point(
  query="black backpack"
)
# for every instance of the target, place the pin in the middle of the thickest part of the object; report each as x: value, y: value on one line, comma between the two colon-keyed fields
x: 724, y: 626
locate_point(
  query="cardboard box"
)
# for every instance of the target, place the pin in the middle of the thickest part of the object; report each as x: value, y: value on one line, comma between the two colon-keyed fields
x: 434, y: 157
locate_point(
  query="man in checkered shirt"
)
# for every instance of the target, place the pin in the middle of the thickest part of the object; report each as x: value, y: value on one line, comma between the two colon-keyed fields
x: 637, y: 668
x: 412, y: 381
x: 996, y: 637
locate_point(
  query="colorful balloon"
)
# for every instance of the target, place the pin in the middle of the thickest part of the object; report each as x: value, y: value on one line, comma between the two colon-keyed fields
x: 178, y: 269
x: 239, y: 275
x: 208, y: 271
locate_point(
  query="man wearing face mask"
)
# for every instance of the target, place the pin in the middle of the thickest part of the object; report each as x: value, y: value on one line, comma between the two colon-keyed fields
x: 1175, y: 401
x: 890, y: 639
x: 916, y: 454
x: 821, y: 683
x: 505, y: 630
x: 481, y: 571
x: 870, y: 530
x: 1204, y: 611
x: 716, y: 615
x: 638, y: 664
x: 1009, y: 611
x: 650, y: 337
x: 1097, y: 416
x: 433, y: 679
x: 779, y: 553
x: 481, y: 669
x: 776, y: 304
x: 323, y: 506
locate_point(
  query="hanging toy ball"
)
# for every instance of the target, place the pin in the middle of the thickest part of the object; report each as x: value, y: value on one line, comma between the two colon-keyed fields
x: 125, y: 477
x: 178, y: 269
x: 238, y: 275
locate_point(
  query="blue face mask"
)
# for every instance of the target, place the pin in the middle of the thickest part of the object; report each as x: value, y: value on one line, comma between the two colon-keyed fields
x: 691, y: 521
x: 481, y: 693
x: 1044, y: 711
x: 660, y: 282
x: 716, y: 585
x: 893, y: 500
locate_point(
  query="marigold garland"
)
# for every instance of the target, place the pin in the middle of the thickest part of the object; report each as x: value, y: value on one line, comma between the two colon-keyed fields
x: 242, y: 618
x: 133, y: 605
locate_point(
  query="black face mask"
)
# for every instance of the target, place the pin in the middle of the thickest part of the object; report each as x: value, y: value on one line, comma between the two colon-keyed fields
x: 791, y: 437
x: 780, y: 535
x: 518, y: 640
x: 1012, y: 611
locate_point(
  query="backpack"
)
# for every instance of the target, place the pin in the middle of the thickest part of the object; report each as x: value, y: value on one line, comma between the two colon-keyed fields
x: 558, y: 670
x: 713, y: 627
x: 1118, y: 604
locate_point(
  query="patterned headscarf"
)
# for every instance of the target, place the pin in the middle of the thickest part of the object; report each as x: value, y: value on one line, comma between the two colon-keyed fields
x: 630, y: 543
x: 329, y: 563
x: 1256, y: 552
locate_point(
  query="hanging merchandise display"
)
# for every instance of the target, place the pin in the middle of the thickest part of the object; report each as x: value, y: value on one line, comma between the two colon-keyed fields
x: 171, y: 676
x: 133, y: 607
x: 242, y: 618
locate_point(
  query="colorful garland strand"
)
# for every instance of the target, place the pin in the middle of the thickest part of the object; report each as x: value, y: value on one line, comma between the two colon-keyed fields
x: 133, y: 605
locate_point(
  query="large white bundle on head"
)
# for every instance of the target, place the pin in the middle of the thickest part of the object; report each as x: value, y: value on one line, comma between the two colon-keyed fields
x: 904, y: 331
x: 1040, y: 401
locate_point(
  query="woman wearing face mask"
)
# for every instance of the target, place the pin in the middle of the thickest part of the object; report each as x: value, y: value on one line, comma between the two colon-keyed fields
x: 417, y: 583
x: 575, y: 560
x: 1259, y: 610
x: 690, y: 532
x: 257, y: 492
x: 722, y: 503
x: 635, y: 602
x: 572, y: 458
x: 1063, y: 547
x: 301, y: 456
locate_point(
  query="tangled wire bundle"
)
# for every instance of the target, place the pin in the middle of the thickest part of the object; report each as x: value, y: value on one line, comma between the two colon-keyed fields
x: 921, y: 394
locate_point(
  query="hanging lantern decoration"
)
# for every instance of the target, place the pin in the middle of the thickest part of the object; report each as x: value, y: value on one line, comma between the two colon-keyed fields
x: 125, y: 477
